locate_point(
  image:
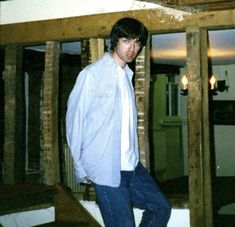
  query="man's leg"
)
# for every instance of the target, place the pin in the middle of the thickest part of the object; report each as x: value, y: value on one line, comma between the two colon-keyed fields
x: 146, y: 195
x: 115, y: 204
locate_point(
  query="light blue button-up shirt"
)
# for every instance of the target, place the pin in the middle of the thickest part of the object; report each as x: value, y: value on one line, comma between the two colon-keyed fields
x: 93, y: 122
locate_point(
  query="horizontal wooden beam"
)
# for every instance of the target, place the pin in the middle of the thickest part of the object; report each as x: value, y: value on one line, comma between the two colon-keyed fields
x: 209, y: 5
x: 200, y: 2
x: 217, y: 7
x: 82, y: 27
x: 186, y: 2
x: 212, y: 19
x: 163, y: 20
x: 196, y: 5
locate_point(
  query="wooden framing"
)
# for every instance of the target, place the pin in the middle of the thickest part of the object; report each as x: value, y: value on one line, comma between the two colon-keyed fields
x: 75, y: 28
x: 198, y: 5
x: 157, y: 21
x: 196, y: 2
x: 50, y: 115
x: 80, y: 27
x: 14, y: 151
x: 96, y: 49
x: 200, y: 196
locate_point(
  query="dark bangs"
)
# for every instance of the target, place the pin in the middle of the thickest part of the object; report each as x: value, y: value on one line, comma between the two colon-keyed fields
x: 128, y: 28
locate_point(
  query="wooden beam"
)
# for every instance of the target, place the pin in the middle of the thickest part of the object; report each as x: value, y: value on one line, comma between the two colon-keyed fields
x: 14, y: 139
x: 75, y: 28
x: 201, y: 2
x: 212, y: 20
x: 162, y: 2
x: 196, y: 5
x: 50, y: 162
x: 211, y: 5
x: 206, y: 155
x: 200, y: 197
x: 85, y: 53
x: 187, y: 2
x: 218, y: 6
x: 96, y: 49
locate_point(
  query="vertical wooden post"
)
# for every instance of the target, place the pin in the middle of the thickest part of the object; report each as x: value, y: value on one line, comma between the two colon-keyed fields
x: 198, y: 129
x: 207, y: 165
x: 142, y: 80
x: 14, y: 154
x: 51, y: 165
x: 92, y: 50
x: 85, y: 52
x: 96, y: 49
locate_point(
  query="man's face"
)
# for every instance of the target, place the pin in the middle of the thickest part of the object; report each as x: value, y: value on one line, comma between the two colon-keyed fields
x: 126, y: 50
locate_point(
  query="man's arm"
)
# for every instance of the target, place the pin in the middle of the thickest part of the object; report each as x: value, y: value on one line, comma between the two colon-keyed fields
x: 77, y: 109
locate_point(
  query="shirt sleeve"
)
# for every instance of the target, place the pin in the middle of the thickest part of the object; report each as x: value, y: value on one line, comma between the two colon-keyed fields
x: 77, y: 108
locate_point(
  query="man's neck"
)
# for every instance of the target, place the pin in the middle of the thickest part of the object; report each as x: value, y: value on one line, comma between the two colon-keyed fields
x: 117, y: 59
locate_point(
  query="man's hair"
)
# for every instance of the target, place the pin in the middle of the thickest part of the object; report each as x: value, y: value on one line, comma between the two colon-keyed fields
x: 128, y: 28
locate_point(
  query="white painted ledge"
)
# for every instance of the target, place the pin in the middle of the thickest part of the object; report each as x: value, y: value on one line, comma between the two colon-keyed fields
x: 179, y: 217
x: 28, y: 218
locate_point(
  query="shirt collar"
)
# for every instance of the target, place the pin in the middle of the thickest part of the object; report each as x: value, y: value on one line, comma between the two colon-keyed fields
x: 127, y: 69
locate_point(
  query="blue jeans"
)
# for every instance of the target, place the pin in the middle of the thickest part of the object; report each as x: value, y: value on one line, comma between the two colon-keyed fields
x: 137, y: 189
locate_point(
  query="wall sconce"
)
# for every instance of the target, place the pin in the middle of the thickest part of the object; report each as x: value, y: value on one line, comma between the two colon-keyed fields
x: 214, y: 84
x: 219, y: 85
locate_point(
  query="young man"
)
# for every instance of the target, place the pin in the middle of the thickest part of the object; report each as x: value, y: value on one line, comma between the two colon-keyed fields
x: 101, y: 125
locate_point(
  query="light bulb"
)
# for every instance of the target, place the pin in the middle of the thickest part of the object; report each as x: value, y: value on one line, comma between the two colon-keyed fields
x: 212, y: 82
x: 184, y: 81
